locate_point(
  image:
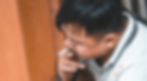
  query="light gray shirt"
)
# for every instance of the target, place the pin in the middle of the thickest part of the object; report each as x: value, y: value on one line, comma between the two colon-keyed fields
x: 129, y: 60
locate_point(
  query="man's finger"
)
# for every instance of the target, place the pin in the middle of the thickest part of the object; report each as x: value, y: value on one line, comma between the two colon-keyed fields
x: 75, y: 64
x: 66, y: 53
x: 69, y: 69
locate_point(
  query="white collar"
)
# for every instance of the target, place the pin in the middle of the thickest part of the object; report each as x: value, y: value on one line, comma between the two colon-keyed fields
x: 126, y: 35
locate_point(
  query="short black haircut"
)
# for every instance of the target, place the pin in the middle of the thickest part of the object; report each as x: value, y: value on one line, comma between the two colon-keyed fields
x: 96, y: 16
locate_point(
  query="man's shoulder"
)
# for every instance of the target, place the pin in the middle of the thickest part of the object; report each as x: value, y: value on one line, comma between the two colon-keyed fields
x: 136, y: 52
x: 141, y: 22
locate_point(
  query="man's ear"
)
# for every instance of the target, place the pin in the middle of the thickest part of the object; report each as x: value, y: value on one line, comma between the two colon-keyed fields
x: 110, y: 40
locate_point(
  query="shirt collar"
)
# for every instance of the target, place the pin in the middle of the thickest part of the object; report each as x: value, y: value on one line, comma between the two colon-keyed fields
x: 126, y: 35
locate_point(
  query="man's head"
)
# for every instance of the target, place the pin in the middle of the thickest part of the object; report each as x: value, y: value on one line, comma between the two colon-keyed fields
x: 91, y: 27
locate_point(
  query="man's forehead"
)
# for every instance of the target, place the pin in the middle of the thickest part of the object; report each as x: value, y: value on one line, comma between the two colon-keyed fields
x: 73, y: 28
x: 74, y: 32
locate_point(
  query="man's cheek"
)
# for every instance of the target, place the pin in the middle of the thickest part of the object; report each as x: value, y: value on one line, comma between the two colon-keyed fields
x: 80, y: 50
x: 83, y: 53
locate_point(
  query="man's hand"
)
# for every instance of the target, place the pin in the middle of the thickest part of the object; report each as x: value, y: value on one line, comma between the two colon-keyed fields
x: 67, y: 66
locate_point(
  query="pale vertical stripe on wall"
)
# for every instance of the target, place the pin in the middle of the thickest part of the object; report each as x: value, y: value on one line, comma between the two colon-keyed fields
x: 138, y: 7
x: 127, y: 4
x: 143, y: 8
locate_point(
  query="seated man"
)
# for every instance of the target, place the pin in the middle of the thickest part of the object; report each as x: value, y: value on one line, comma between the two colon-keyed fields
x: 111, y: 40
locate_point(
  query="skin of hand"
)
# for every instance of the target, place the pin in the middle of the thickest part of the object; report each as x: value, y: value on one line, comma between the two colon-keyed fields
x: 67, y: 66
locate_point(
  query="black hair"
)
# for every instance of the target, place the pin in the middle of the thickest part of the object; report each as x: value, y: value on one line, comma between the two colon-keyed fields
x: 96, y: 16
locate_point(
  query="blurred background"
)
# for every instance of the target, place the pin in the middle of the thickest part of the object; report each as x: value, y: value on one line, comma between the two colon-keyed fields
x: 29, y: 41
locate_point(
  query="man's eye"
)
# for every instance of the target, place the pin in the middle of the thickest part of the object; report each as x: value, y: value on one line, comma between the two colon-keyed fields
x: 64, y: 36
x: 79, y: 43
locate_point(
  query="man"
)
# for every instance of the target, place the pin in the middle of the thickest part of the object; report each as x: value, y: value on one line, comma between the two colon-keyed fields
x: 112, y: 41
